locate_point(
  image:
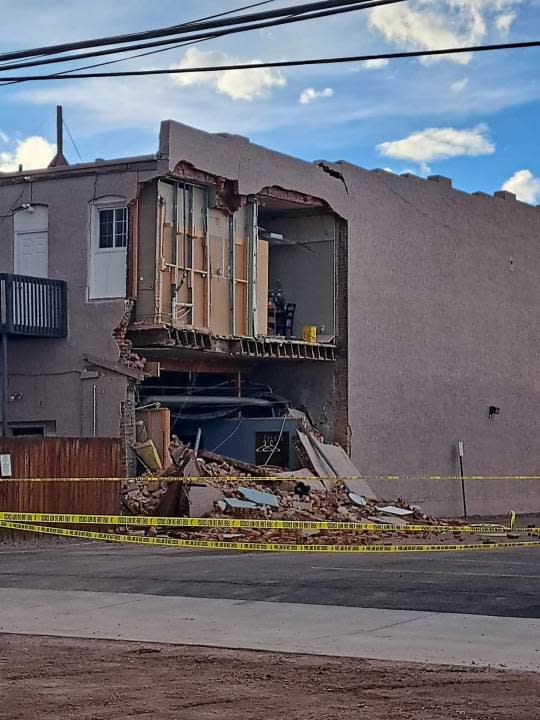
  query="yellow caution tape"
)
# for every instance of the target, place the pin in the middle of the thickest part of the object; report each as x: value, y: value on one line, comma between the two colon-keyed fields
x: 263, y: 547
x: 274, y: 478
x: 144, y: 521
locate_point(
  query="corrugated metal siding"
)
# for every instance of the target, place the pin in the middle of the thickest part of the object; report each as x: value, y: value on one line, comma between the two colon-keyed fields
x: 61, y: 457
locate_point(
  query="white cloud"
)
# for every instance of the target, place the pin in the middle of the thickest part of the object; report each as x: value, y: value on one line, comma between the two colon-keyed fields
x: 504, y: 21
x: 459, y: 85
x: 375, y: 64
x: 3, y: 137
x: 33, y: 153
x: 524, y: 185
x: 438, y: 144
x: 237, y: 84
x: 309, y: 95
x: 436, y: 24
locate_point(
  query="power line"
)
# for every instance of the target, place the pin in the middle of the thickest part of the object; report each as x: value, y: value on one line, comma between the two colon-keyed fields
x: 7, y: 66
x: 358, y: 5
x: 194, y: 39
x: 282, y: 63
x: 177, y: 29
x: 191, y: 22
x: 230, y: 12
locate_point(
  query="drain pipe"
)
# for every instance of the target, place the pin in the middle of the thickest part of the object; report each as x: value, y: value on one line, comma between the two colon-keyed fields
x: 460, y: 450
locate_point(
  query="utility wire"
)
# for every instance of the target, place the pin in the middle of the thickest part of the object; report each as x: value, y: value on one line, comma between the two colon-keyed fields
x: 359, y: 5
x: 196, y: 39
x: 130, y: 57
x: 281, y: 63
x: 177, y: 29
x: 230, y: 12
x: 191, y: 22
x: 72, y: 140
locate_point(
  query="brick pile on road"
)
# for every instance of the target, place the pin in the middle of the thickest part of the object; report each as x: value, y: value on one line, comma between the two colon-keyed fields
x: 332, y: 505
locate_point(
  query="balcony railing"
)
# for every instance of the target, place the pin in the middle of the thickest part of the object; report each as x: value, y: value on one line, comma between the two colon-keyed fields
x: 33, y: 306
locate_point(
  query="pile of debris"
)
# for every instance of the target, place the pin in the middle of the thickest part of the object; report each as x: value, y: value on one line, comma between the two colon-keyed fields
x: 152, y: 497
x: 328, y: 489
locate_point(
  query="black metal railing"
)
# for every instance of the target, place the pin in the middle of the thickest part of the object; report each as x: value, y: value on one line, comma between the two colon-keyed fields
x: 33, y: 306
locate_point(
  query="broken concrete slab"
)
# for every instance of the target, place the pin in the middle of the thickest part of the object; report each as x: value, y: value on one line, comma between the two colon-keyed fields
x: 240, y: 504
x: 259, y: 497
x: 394, y: 510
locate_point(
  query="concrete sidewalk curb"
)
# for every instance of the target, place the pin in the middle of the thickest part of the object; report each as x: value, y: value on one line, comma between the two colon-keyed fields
x: 395, y: 635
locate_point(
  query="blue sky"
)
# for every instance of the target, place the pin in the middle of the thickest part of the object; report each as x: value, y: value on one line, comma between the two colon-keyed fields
x: 474, y: 119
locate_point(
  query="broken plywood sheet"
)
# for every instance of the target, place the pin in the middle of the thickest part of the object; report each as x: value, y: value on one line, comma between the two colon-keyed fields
x: 148, y: 455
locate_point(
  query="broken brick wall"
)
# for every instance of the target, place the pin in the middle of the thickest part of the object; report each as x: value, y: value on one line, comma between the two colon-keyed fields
x: 128, y: 431
x: 440, y: 288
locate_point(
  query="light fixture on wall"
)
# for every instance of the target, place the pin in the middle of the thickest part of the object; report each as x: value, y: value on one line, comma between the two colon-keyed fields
x: 493, y: 410
x: 29, y: 208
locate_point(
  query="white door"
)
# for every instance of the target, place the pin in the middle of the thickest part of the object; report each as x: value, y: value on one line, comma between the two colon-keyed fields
x: 108, y: 252
x: 32, y: 254
x: 31, y: 242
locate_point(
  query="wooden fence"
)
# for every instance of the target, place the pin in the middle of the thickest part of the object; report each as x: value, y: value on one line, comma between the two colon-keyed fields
x: 61, y: 458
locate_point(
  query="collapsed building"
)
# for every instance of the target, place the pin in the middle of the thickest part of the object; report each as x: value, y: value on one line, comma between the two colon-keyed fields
x: 220, y: 292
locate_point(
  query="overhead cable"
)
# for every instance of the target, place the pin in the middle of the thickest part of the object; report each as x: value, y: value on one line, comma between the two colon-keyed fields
x: 280, y: 63
x: 190, y: 22
x: 190, y: 39
x: 179, y: 29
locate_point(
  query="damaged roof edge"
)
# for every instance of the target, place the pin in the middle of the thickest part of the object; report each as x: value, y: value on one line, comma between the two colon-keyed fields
x: 235, y: 157
x: 252, y: 167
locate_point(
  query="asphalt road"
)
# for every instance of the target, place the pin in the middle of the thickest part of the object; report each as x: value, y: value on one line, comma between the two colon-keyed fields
x: 502, y: 583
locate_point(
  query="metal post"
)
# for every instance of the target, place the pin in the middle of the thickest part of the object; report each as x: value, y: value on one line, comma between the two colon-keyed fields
x: 197, y: 442
x: 59, y: 131
x: 460, y: 448
x: 4, y: 385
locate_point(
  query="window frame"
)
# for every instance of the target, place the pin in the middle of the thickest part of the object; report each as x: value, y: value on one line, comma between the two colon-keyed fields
x: 114, y: 247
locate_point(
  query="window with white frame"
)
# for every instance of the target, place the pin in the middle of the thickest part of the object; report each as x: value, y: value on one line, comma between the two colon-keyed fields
x: 112, y: 228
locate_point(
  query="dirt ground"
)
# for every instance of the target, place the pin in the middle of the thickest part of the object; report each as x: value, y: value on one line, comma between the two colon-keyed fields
x: 46, y: 678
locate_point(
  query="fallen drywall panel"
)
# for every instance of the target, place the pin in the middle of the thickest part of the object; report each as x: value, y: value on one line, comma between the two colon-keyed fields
x: 332, y: 461
x: 202, y: 499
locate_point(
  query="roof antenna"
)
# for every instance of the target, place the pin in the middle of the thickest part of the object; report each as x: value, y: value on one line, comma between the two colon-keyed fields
x: 59, y: 159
